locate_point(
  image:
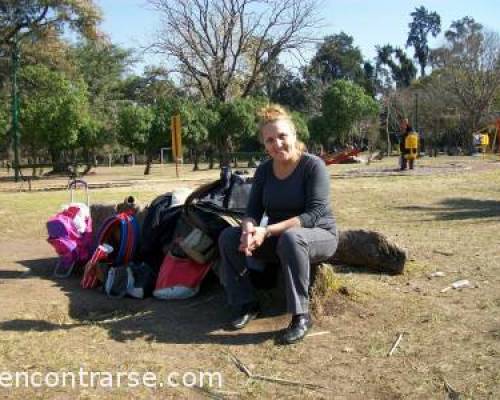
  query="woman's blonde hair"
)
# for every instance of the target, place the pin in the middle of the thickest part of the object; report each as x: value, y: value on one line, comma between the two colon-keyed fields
x: 274, y: 112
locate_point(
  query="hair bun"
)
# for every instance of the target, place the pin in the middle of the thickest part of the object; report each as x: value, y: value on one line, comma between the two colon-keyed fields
x: 272, y: 112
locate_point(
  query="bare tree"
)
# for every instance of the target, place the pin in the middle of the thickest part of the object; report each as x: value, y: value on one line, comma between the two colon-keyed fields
x: 470, y: 69
x: 224, y: 46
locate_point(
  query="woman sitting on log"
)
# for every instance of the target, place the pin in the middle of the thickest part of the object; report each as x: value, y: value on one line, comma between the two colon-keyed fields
x: 292, y: 188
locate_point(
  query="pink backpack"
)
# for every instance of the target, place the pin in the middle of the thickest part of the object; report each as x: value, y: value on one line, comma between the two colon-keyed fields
x: 70, y: 233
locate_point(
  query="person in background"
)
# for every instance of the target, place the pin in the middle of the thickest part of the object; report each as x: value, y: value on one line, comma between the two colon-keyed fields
x: 292, y: 188
x: 406, y: 130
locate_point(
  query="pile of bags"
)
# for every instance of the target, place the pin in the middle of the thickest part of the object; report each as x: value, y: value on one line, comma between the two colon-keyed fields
x: 175, y: 248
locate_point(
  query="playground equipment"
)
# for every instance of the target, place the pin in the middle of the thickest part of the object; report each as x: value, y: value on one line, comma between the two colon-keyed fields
x: 481, y: 137
x: 340, y: 157
x: 411, y: 145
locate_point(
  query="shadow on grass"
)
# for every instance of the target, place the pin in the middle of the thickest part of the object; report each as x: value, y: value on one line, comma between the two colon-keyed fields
x: 193, y: 321
x: 461, y: 209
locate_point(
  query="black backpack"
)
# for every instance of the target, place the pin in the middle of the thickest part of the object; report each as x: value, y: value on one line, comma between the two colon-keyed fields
x: 158, y: 229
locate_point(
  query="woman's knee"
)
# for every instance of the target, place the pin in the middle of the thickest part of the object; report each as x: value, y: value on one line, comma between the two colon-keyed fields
x: 290, y: 242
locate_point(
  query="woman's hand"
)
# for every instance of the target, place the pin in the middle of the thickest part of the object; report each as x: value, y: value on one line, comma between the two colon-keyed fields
x: 247, y: 244
x: 251, y: 241
x: 259, y: 235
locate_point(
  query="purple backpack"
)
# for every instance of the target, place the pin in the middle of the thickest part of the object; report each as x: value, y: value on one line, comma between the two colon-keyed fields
x: 70, y: 233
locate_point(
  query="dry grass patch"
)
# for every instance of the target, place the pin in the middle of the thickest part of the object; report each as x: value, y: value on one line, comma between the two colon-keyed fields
x: 446, y: 216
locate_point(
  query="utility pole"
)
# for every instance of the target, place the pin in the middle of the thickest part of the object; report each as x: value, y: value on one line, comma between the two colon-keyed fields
x: 15, y: 106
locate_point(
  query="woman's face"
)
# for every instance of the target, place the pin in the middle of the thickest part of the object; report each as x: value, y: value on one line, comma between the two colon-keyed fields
x: 279, y: 140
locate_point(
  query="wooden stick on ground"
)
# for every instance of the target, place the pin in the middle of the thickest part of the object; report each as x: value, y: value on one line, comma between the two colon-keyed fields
x: 318, y: 334
x: 395, y: 345
x: 288, y: 382
x: 242, y: 367
x: 451, y: 393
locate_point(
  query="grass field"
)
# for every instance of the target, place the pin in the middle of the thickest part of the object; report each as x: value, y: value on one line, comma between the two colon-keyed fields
x: 446, y: 213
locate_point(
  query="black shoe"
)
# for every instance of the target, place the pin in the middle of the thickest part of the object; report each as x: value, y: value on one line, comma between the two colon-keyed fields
x: 247, y: 313
x: 297, y: 329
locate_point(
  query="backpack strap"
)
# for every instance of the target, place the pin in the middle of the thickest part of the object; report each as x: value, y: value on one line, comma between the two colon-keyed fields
x: 132, y: 239
x: 127, y: 235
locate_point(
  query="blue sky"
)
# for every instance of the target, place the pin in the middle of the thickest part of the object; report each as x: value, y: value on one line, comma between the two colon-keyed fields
x: 133, y: 23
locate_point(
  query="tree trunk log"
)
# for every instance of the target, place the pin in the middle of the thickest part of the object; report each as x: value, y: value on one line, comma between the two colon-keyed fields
x: 371, y: 250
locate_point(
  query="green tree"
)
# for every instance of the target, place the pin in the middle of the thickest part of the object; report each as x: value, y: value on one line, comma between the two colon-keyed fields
x: 148, y: 88
x: 238, y: 123
x: 402, y: 69
x: 4, y: 118
x: 424, y: 23
x: 54, y: 109
x: 134, y: 127
x: 343, y: 105
x: 319, y: 131
x: 36, y: 19
x: 31, y: 16
x: 146, y: 128
x: 102, y: 65
x: 159, y: 134
x: 337, y: 58
x: 291, y: 92
x: 461, y: 30
x: 301, y: 126
x: 198, y: 121
x: 92, y: 136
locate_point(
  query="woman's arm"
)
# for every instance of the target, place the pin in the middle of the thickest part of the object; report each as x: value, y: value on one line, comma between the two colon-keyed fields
x: 317, y: 194
x: 255, y: 208
x: 254, y: 212
x: 261, y: 233
x: 280, y: 227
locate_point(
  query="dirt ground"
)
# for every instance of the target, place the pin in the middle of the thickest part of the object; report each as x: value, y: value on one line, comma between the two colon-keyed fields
x: 446, y: 213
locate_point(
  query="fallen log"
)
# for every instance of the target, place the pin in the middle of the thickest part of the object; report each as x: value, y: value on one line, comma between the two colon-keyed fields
x: 371, y: 250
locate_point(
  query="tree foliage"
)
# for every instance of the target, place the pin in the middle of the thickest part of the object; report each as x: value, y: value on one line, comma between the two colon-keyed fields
x: 402, y: 69
x: 53, y: 111
x: 424, y: 23
x: 469, y: 69
x: 238, y: 121
x: 147, y: 88
x: 33, y: 16
x: 291, y: 92
x: 102, y: 65
x: 343, y: 105
x: 337, y: 58
x: 134, y: 124
x: 198, y: 121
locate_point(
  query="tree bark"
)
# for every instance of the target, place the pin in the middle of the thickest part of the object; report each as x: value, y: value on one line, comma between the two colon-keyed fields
x: 58, y: 165
x: 149, y: 161
x: 371, y: 250
x: 196, y: 159
x: 210, y: 155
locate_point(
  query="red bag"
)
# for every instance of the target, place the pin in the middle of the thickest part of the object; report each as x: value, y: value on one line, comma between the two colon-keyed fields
x: 179, y: 278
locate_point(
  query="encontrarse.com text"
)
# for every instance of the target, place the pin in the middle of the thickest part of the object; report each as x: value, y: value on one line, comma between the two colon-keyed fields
x: 104, y: 379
